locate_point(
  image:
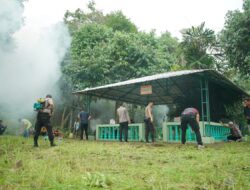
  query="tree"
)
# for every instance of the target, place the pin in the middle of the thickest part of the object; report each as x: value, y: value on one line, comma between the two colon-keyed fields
x: 235, y: 39
x: 115, y: 20
x: 197, y: 47
x: 167, y: 51
x: 101, y: 56
x: 119, y: 22
x: 108, y: 48
x: 89, y: 56
x: 75, y: 20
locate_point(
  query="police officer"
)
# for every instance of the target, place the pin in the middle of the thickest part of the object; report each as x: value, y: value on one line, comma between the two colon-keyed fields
x: 191, y: 116
x: 43, y: 120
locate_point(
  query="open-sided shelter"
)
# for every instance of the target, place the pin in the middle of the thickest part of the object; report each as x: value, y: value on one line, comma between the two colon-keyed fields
x: 207, y: 90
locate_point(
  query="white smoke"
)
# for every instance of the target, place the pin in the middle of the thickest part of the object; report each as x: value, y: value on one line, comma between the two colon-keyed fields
x: 30, y: 68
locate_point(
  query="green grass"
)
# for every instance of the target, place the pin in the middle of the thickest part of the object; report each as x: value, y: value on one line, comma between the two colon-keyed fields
x: 82, y: 165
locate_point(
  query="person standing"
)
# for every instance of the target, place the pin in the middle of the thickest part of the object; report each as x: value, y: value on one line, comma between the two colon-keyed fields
x: 247, y: 112
x: 191, y: 116
x: 124, y: 120
x: 76, y: 127
x: 149, y: 122
x: 43, y: 120
x: 84, y: 118
x: 25, y: 127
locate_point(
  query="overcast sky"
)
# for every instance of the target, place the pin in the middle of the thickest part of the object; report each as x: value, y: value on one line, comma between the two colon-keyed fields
x: 161, y: 15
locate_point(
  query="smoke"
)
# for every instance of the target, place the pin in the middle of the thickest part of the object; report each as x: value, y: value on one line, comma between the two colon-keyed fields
x: 30, y: 60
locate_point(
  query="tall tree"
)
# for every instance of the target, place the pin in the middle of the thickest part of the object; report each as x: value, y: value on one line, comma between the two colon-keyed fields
x: 108, y: 48
x: 76, y: 19
x: 119, y: 22
x: 167, y: 51
x: 235, y: 39
x: 100, y: 55
x: 197, y: 46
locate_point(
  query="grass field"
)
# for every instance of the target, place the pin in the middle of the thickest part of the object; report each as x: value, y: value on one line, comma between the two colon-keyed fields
x: 80, y: 165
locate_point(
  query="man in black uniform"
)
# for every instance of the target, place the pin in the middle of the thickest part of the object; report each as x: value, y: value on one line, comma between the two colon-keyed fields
x: 84, y: 118
x: 43, y: 120
x: 191, y: 116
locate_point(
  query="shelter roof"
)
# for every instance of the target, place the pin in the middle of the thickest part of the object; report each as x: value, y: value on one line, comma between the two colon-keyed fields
x: 167, y: 88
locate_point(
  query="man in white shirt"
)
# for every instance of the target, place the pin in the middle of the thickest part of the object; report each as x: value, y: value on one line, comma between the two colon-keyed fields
x: 124, y: 120
x: 25, y: 127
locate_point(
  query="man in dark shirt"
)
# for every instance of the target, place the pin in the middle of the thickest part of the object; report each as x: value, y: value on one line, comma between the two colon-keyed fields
x: 191, y: 116
x: 247, y: 112
x: 43, y: 120
x: 2, y: 127
x: 84, y: 118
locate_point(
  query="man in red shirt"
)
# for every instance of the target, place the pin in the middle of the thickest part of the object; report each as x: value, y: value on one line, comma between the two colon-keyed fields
x: 191, y: 116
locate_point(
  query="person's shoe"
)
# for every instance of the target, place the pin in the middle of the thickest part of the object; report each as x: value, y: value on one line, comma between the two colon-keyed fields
x: 35, y: 145
x: 52, y: 144
x: 201, y: 146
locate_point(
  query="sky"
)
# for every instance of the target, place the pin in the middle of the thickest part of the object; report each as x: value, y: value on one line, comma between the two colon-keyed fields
x: 161, y: 15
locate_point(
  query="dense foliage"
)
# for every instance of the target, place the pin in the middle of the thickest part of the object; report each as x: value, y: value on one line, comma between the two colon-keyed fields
x: 235, y: 39
x: 197, y: 46
x: 110, y: 49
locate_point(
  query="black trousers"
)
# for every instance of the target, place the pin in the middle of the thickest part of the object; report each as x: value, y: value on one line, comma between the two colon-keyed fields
x: 191, y: 120
x: 43, y: 120
x: 233, y: 138
x: 149, y: 129
x: 2, y: 129
x: 83, y: 127
x: 123, y: 127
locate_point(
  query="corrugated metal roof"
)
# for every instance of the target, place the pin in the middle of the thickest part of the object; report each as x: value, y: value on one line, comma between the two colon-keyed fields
x: 145, y: 79
x: 179, y: 88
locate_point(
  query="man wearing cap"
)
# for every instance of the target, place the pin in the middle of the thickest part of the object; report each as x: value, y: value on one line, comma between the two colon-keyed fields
x: 191, y: 116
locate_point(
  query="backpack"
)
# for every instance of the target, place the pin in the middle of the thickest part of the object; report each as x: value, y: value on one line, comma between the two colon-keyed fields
x: 39, y: 105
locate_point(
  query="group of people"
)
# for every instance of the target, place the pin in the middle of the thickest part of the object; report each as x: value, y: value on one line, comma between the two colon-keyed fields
x: 235, y: 133
x: 124, y: 121
x: 189, y: 117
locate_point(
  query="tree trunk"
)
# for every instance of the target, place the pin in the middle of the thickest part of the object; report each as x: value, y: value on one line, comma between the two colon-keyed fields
x: 70, y: 120
x: 62, y: 120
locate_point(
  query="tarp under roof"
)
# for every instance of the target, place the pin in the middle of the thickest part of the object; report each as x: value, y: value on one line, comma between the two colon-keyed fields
x: 181, y: 88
